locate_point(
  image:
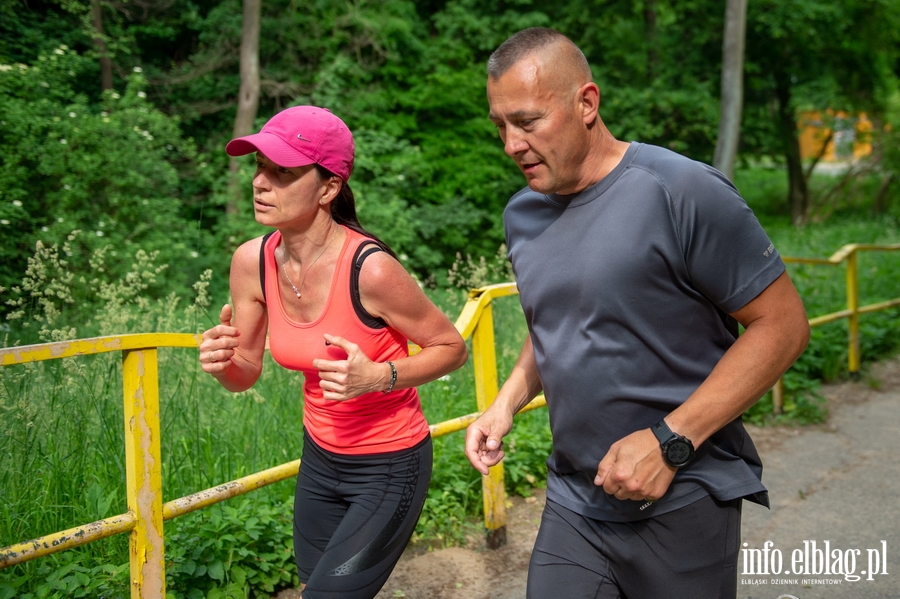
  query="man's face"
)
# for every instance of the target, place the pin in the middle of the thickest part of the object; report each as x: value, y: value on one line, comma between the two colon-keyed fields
x: 541, y: 126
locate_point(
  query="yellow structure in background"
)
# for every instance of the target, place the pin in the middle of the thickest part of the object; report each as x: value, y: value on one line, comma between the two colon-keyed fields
x: 848, y: 136
x: 146, y: 511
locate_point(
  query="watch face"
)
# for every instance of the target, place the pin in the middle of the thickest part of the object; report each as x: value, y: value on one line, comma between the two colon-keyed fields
x: 678, y: 452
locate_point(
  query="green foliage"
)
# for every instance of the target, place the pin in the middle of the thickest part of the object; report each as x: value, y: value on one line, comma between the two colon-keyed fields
x: 238, y: 550
x: 60, y: 288
x: 68, y: 574
x: 105, y: 169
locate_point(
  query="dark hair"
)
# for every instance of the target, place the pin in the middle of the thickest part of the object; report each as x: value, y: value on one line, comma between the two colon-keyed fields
x: 343, y: 209
x: 523, y: 43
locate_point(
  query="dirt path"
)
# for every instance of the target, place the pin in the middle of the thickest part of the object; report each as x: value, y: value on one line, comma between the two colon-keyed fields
x: 478, y: 573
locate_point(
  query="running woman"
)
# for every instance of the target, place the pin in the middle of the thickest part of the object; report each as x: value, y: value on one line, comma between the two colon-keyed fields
x: 338, y: 307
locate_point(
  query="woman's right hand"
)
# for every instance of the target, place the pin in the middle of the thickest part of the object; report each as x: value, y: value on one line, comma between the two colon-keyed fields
x: 219, y: 342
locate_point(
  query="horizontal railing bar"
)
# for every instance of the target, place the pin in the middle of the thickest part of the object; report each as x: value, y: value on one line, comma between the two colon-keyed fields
x: 457, y: 424
x: 67, y: 539
x: 94, y: 345
x: 826, y: 318
x: 207, y: 497
x: 880, y: 306
x: 848, y: 249
x: 454, y: 424
x: 821, y: 261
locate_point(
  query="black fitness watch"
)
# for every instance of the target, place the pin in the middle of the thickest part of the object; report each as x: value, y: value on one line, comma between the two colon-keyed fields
x: 677, y: 451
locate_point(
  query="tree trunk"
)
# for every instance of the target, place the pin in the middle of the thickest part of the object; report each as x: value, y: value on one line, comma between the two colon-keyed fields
x: 248, y: 95
x: 652, y: 38
x: 798, y: 193
x: 732, y: 100
x: 106, y: 73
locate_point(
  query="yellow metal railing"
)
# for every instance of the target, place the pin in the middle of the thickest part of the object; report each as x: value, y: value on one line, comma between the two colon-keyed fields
x: 146, y: 511
x: 847, y: 254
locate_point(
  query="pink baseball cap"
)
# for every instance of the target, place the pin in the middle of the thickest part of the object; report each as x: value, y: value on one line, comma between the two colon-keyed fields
x: 299, y: 136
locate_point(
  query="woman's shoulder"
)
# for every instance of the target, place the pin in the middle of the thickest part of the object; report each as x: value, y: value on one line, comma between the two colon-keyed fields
x: 247, y: 255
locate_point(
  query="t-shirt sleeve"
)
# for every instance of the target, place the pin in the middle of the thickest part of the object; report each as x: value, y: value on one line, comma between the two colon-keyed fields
x: 729, y: 257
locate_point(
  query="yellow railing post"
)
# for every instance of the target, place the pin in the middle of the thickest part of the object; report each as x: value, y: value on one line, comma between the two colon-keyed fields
x: 853, y: 352
x: 778, y: 396
x: 485, y: 362
x: 143, y: 472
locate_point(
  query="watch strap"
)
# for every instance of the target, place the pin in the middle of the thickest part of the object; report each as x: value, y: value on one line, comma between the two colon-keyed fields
x: 662, y: 431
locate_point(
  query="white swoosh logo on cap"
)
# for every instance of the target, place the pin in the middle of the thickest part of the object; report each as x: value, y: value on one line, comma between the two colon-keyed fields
x: 301, y: 138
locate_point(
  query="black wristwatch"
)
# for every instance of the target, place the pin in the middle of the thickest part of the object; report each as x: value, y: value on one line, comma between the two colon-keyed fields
x: 677, y: 451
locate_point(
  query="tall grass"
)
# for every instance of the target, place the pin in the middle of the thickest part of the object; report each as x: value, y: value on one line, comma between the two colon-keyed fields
x: 61, y: 423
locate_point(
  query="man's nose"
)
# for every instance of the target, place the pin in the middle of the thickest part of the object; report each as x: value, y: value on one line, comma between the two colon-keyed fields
x: 514, y: 143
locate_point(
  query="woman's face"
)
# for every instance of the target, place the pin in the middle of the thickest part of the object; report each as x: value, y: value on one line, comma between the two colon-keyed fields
x: 283, y: 196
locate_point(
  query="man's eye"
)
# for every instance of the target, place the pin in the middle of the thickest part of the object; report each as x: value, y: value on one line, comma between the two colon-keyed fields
x: 283, y: 170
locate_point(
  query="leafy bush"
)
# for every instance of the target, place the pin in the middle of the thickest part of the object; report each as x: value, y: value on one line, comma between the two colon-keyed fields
x: 232, y: 551
x: 107, y: 169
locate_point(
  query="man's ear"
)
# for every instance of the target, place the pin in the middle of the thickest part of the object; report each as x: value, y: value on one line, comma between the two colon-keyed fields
x: 589, y: 101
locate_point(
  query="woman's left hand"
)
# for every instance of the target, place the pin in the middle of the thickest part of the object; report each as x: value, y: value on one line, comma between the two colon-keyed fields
x: 352, y: 377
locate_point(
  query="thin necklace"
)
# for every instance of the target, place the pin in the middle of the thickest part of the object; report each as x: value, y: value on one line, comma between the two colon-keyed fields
x: 290, y: 282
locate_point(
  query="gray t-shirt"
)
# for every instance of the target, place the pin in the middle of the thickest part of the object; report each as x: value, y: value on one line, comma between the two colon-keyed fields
x: 626, y: 288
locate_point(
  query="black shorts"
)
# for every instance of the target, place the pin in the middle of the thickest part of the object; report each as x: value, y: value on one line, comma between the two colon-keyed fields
x: 690, y: 553
x: 354, y: 515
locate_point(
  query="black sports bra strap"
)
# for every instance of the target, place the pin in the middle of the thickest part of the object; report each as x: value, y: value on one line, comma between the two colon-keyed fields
x: 365, y: 249
x: 262, y: 263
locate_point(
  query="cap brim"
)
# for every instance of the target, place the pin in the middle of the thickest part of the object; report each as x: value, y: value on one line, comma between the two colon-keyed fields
x: 272, y: 146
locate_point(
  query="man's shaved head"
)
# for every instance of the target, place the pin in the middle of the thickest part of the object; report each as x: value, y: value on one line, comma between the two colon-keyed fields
x: 550, y: 46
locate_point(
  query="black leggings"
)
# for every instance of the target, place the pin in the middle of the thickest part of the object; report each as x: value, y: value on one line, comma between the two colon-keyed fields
x: 354, y: 515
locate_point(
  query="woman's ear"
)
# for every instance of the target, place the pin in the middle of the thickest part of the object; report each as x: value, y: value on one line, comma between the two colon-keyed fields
x: 330, y: 190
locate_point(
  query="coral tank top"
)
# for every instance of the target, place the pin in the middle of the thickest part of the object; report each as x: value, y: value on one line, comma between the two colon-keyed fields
x: 375, y: 422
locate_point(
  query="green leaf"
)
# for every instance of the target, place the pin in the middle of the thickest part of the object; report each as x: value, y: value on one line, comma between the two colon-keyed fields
x: 216, y: 570
x: 238, y: 574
